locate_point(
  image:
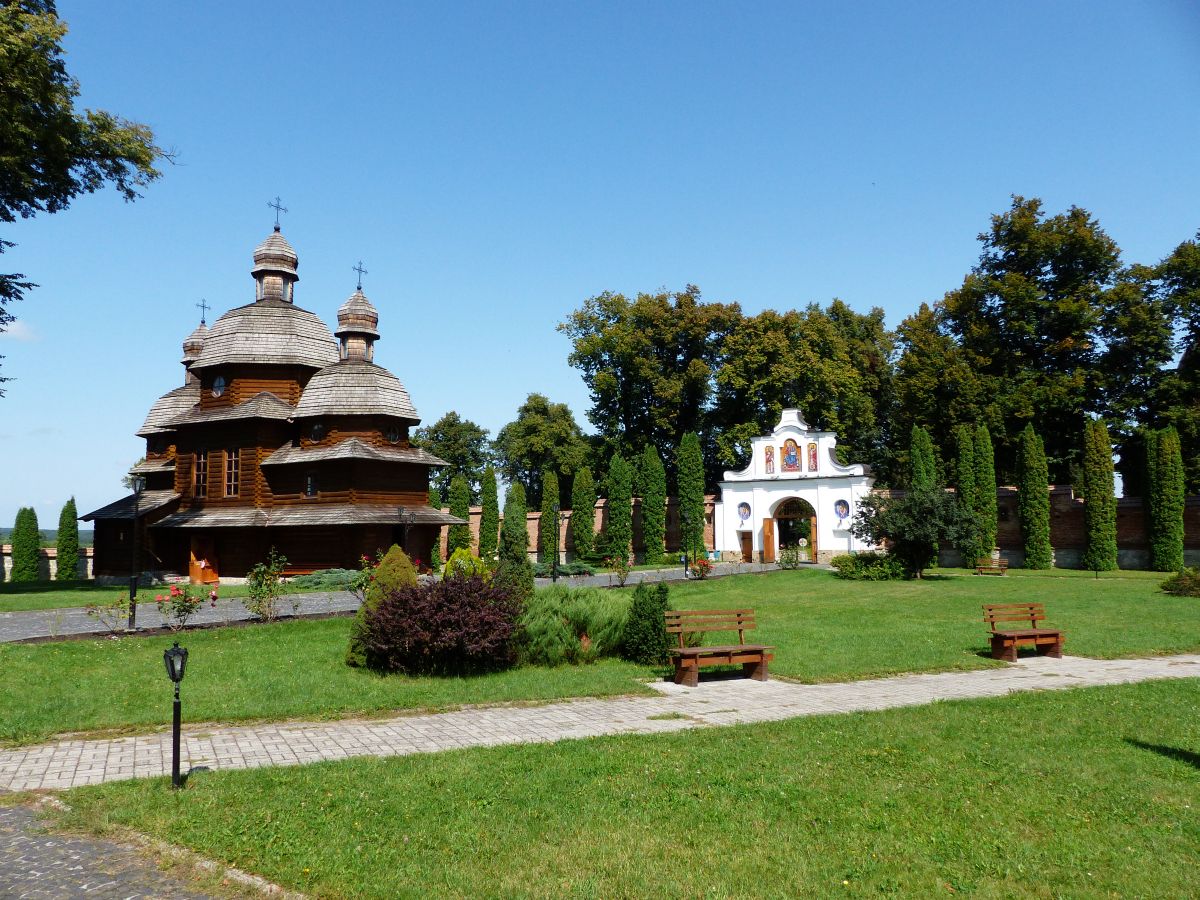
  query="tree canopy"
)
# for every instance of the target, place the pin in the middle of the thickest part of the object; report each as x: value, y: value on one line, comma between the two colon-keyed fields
x: 543, y: 437
x: 464, y: 447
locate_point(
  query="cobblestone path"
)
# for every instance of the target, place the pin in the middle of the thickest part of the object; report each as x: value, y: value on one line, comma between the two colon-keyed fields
x: 69, y: 763
x: 37, y: 866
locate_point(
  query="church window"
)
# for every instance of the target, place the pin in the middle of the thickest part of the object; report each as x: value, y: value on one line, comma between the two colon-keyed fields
x: 218, y: 387
x: 318, y: 431
x: 233, y: 472
x: 392, y: 434
x: 310, y: 484
x: 200, y: 475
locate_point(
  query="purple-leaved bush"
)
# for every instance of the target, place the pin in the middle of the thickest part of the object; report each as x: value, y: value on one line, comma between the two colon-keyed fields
x: 452, y: 627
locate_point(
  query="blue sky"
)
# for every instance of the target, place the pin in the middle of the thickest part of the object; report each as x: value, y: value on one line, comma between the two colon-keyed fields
x: 495, y: 164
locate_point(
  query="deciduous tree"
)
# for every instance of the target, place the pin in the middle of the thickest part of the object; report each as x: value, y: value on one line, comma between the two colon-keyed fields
x: 464, y: 447
x: 543, y: 436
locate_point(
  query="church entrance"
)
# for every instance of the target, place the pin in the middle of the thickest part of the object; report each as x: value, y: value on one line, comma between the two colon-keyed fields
x: 796, y: 522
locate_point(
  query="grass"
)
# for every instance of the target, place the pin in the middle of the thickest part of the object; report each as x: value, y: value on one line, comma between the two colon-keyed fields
x: 279, y: 671
x: 823, y: 628
x: 1082, y: 793
x: 15, y: 597
x: 827, y: 629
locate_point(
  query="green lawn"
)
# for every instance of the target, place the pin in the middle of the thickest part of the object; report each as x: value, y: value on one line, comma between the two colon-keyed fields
x: 1083, y: 793
x: 61, y: 595
x: 824, y: 629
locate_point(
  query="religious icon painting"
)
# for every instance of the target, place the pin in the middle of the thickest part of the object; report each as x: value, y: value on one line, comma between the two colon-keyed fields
x: 791, y: 456
x: 812, y: 457
x: 841, y: 509
x: 770, y: 460
x: 744, y: 511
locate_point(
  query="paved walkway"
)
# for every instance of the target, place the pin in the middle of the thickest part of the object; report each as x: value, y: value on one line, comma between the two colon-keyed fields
x: 69, y: 763
x: 44, y: 623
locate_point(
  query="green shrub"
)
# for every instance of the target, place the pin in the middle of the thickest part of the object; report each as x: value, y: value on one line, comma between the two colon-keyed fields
x: 645, y: 640
x: 68, y: 543
x: 985, y: 493
x: 265, y: 587
x: 1166, y: 502
x: 489, y: 516
x: 548, y: 521
x: 789, y: 557
x: 463, y: 564
x: 394, y: 571
x: 583, y: 515
x: 514, y: 531
x: 325, y: 580
x: 654, y: 505
x: 1033, y: 500
x: 460, y: 506
x: 576, y: 567
x: 868, y: 567
x: 618, y: 532
x: 1185, y: 583
x: 26, y: 540
x: 571, y: 625
x: 1099, y: 501
x: 690, y: 463
x: 516, y: 577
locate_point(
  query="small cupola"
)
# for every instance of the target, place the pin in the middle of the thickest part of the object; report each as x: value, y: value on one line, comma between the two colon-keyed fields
x: 358, y: 324
x: 193, y: 345
x: 275, y: 264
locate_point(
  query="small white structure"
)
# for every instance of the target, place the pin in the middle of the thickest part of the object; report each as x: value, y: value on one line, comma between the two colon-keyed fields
x: 793, y: 493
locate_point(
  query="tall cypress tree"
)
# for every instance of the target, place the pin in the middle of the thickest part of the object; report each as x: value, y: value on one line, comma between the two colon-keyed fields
x: 68, y: 542
x: 489, y: 515
x: 583, y: 513
x: 690, y: 464
x: 618, y: 533
x: 1100, y: 503
x: 964, y: 484
x: 25, y: 544
x: 1033, y: 501
x: 514, y: 534
x: 985, y: 490
x: 922, y: 465
x: 435, y: 497
x: 654, y: 505
x: 460, y: 506
x: 548, y: 524
x: 1166, y: 503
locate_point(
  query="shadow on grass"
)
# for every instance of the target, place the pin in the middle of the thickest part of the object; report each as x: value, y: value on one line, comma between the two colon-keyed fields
x: 1189, y: 757
x: 17, y: 588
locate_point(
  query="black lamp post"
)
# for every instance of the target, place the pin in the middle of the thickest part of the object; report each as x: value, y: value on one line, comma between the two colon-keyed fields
x: 685, y: 535
x: 407, y: 517
x: 138, y: 484
x: 176, y: 661
x: 554, y: 562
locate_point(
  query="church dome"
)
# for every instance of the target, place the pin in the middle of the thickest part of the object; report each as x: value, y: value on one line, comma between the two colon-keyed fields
x: 193, y: 344
x: 358, y: 316
x: 268, y: 332
x: 275, y: 254
x: 169, y: 406
x: 356, y: 387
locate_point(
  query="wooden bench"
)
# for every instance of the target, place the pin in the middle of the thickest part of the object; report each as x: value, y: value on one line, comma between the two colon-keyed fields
x: 752, y: 657
x: 989, y: 566
x: 1047, y: 641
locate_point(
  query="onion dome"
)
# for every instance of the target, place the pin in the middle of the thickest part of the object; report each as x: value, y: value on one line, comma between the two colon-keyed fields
x: 268, y: 332
x: 356, y: 387
x: 358, y: 324
x: 275, y: 264
x: 193, y: 345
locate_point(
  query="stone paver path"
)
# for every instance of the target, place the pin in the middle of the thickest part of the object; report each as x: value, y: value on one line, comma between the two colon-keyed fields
x: 43, y: 866
x: 70, y: 763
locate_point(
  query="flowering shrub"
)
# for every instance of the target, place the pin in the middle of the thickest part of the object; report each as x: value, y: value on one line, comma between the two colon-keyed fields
x: 452, y: 627
x: 701, y: 568
x: 114, y: 616
x: 266, y: 587
x: 180, y: 604
x: 620, y: 567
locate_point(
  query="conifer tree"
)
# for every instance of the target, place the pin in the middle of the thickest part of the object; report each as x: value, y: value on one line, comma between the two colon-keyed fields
x: 654, y: 505
x: 618, y: 533
x: 460, y: 506
x: 25, y: 543
x: 922, y: 465
x: 964, y: 484
x: 68, y: 542
x: 489, y: 515
x: 690, y: 464
x: 985, y: 490
x: 1033, y: 499
x: 514, y: 534
x: 548, y: 524
x: 1166, y: 502
x: 1100, y: 504
x: 583, y: 513
x: 435, y: 497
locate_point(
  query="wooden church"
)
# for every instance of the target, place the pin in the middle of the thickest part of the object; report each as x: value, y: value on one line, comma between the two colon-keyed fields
x: 281, y: 436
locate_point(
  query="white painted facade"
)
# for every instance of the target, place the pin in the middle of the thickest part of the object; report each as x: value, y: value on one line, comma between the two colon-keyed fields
x: 794, y: 461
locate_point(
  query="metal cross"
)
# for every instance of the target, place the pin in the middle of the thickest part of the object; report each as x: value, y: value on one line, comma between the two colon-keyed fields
x: 204, y: 308
x: 278, y: 207
x: 361, y: 272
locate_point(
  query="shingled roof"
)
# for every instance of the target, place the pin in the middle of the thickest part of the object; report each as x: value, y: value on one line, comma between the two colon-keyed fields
x: 169, y: 406
x: 152, y: 466
x: 356, y: 387
x: 123, y: 508
x: 271, y: 332
x: 352, y: 449
x: 263, y: 405
x: 308, y: 514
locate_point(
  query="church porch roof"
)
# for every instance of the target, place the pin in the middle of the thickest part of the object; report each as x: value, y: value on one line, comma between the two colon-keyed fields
x: 307, y: 514
x: 124, y: 508
x: 263, y: 405
x: 352, y: 449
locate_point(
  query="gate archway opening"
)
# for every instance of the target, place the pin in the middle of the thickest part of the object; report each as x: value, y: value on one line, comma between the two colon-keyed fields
x: 796, y: 524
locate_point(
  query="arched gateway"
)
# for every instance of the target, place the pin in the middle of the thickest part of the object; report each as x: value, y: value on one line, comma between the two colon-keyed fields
x: 794, y: 493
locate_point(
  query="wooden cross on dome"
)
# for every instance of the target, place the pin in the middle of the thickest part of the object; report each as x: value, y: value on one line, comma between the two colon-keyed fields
x: 204, y: 308
x: 278, y: 206
x: 361, y: 272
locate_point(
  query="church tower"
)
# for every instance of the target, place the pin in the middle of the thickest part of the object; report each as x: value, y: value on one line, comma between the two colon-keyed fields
x: 358, y: 327
x: 274, y: 271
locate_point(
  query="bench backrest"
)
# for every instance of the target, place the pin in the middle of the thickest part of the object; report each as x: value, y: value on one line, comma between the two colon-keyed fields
x: 690, y: 621
x: 1004, y: 613
x: 987, y: 562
